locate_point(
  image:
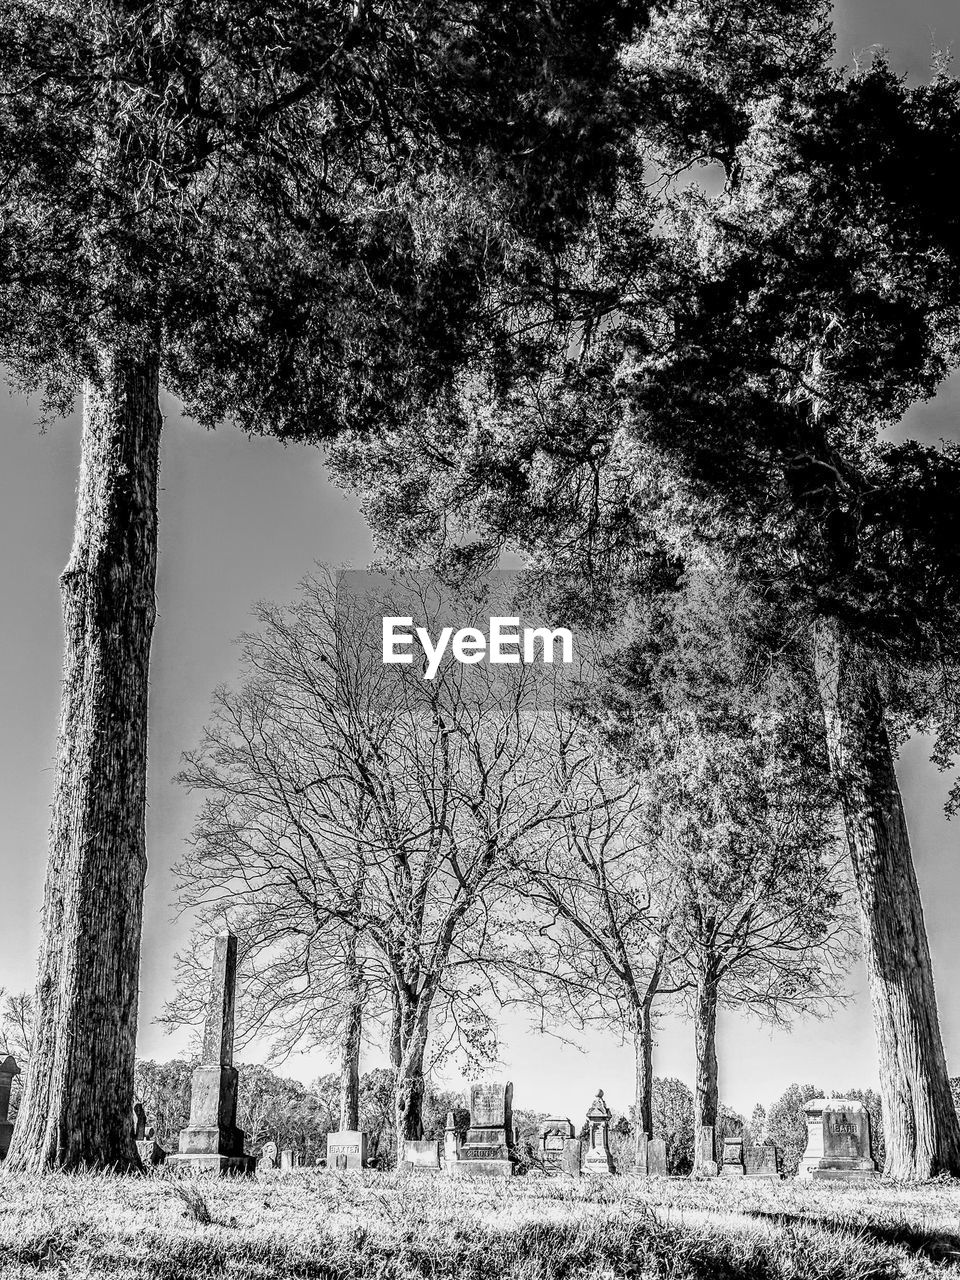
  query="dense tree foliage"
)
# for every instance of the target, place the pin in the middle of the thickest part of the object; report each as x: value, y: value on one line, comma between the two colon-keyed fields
x: 741, y: 348
x: 292, y: 217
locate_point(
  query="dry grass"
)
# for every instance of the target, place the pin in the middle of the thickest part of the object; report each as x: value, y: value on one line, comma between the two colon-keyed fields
x: 327, y: 1226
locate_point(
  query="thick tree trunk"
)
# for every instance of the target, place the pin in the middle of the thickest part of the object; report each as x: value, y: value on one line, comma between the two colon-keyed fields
x: 919, y: 1119
x: 350, y: 1061
x: 77, y: 1104
x: 707, y: 1095
x: 409, y: 1086
x: 643, y: 1080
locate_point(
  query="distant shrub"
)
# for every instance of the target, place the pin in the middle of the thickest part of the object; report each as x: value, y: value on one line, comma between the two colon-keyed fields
x: 787, y: 1124
x: 673, y: 1121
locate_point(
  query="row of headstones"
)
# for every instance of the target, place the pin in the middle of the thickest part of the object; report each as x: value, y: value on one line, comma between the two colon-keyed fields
x: 838, y: 1129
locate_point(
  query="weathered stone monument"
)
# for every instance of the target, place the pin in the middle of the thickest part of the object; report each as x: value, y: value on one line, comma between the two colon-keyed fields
x: 451, y: 1142
x: 486, y: 1150
x: 640, y: 1155
x: 838, y: 1141
x: 708, y: 1152
x: 656, y: 1158
x: 732, y: 1165
x: 8, y: 1069
x: 598, y: 1158
x: 212, y: 1143
x: 573, y: 1157
x: 553, y: 1136
x: 268, y: 1157
x: 150, y: 1151
x: 421, y: 1153
x: 762, y: 1162
x: 346, y: 1149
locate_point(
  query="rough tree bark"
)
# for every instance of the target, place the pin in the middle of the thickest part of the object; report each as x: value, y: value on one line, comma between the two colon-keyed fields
x: 643, y: 1092
x: 76, y: 1106
x: 352, y: 1029
x: 706, y: 1095
x: 412, y: 1019
x: 408, y: 1098
x: 919, y: 1119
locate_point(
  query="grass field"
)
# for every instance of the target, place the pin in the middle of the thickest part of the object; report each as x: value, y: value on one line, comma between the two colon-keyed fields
x: 326, y: 1225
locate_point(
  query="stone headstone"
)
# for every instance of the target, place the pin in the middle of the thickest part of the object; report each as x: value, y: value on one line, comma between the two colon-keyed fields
x: 451, y: 1142
x: 572, y: 1163
x: 268, y: 1157
x: 8, y: 1069
x: 139, y: 1122
x: 553, y: 1133
x: 657, y: 1158
x: 211, y: 1142
x: 762, y: 1162
x: 421, y: 1153
x: 598, y: 1158
x: 486, y: 1150
x: 346, y: 1149
x: 289, y: 1158
x: 732, y: 1165
x: 838, y: 1141
x: 151, y: 1153
x: 640, y: 1155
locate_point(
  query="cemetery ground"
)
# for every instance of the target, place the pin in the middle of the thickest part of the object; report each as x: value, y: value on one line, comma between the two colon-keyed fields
x: 326, y: 1225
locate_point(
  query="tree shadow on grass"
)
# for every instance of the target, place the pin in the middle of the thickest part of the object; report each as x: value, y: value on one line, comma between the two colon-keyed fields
x: 935, y: 1246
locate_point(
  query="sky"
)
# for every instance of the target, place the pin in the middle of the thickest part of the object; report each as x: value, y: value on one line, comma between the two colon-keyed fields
x: 243, y: 520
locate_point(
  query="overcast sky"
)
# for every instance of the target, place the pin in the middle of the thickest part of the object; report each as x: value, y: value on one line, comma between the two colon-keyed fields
x: 244, y: 520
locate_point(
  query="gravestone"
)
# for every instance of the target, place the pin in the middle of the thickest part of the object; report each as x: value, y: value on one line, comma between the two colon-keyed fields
x: 732, y: 1165
x: 838, y: 1141
x: 211, y: 1142
x: 451, y: 1142
x: 641, y: 1156
x: 708, y: 1152
x: 656, y: 1158
x: 268, y: 1157
x: 290, y: 1158
x: 485, y: 1152
x: 8, y: 1069
x: 554, y: 1133
x: 144, y: 1135
x: 421, y: 1153
x: 761, y: 1162
x: 346, y: 1149
x: 598, y: 1158
x: 572, y: 1162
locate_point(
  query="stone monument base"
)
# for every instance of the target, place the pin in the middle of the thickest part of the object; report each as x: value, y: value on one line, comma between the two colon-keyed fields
x: 206, y: 1163
x: 346, y: 1149
x: 481, y: 1168
x: 6, y: 1133
x: 421, y: 1153
x: 840, y: 1175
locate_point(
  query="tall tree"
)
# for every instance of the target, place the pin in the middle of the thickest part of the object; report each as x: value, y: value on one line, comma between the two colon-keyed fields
x: 739, y: 813
x: 365, y: 801
x: 599, y: 944
x: 288, y: 217
x: 744, y: 361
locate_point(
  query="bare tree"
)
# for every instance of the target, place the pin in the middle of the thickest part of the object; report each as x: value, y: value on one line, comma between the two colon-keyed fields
x: 719, y: 718
x: 17, y: 1024
x: 358, y: 820
x: 600, y: 943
